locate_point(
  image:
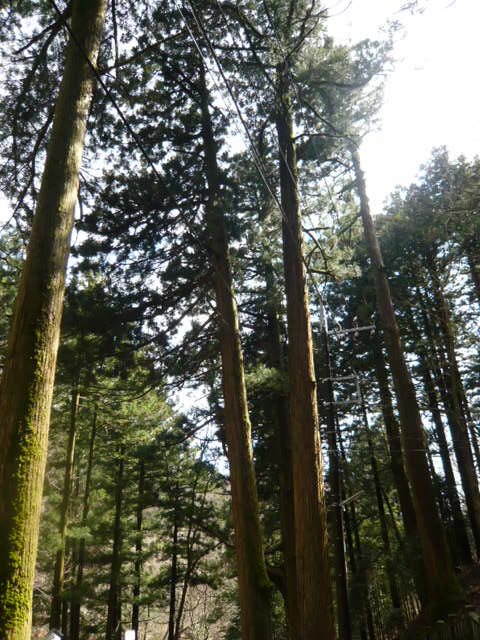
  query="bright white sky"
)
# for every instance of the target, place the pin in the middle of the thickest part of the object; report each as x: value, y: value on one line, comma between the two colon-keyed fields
x: 433, y: 96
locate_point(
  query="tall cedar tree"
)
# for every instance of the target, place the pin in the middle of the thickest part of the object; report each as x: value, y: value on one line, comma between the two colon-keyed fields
x: 27, y: 382
x: 253, y: 582
x: 443, y: 589
x: 314, y: 594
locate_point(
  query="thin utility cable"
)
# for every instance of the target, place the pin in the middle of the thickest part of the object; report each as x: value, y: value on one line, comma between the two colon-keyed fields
x: 301, y: 198
x: 292, y: 178
x: 239, y: 112
x: 229, y: 90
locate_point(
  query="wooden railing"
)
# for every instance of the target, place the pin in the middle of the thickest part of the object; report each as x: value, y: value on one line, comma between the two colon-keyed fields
x: 465, y: 626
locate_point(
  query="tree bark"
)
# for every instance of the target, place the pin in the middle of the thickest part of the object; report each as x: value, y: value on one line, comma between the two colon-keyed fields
x: 279, y: 416
x: 443, y: 588
x: 114, y: 617
x: 76, y: 603
x: 429, y: 365
x: 58, y: 576
x: 314, y: 595
x: 253, y: 582
x: 27, y: 382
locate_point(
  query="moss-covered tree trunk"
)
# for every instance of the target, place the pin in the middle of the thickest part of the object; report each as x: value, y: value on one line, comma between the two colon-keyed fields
x: 27, y: 383
x: 443, y: 589
x: 314, y: 593
x: 59, y: 569
x: 254, y: 585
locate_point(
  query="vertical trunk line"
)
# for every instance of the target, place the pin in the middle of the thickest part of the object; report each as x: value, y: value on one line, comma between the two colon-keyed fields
x: 113, y: 630
x: 27, y: 381
x: 443, y: 588
x: 341, y: 577
x: 76, y: 604
x: 138, y: 547
x: 59, y: 570
x: 314, y: 592
x: 253, y: 582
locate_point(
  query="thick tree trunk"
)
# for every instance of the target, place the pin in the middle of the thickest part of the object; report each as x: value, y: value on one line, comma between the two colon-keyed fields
x: 138, y: 547
x: 27, y: 382
x: 314, y: 594
x: 278, y: 414
x: 329, y: 411
x: 76, y: 604
x: 114, y: 611
x: 253, y: 582
x: 58, y: 576
x: 443, y: 589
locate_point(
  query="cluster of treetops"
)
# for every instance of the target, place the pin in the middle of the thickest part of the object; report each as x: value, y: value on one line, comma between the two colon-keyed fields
x: 322, y: 480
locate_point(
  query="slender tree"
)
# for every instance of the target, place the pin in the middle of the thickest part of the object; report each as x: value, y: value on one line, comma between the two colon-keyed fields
x: 254, y: 585
x: 443, y: 589
x: 329, y: 411
x: 114, y: 610
x: 59, y: 570
x: 76, y: 603
x: 314, y: 594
